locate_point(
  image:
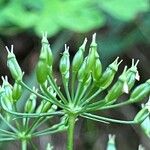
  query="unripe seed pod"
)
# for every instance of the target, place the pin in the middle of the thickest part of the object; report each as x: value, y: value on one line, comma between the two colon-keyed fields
x: 91, y: 58
x: 30, y: 104
x: 7, y: 87
x: 49, y: 56
x: 13, y: 65
x: 64, y: 65
x: 4, y: 97
x: 7, y: 102
x: 97, y: 70
x: 140, y: 92
x: 47, y: 107
x: 16, y: 91
x: 83, y: 74
x: 87, y: 79
x: 108, y: 76
x: 132, y: 74
x: 78, y: 58
x: 141, y: 115
x: 111, y: 143
x: 47, y: 49
x: 42, y: 67
x: 118, y: 88
x: 41, y: 71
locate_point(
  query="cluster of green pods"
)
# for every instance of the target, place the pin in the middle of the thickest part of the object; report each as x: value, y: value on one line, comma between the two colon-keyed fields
x: 83, y: 81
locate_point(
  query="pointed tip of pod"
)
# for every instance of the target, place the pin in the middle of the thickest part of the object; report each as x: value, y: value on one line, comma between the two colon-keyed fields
x: 125, y: 69
x: 117, y: 62
x: 66, y: 51
x: 83, y: 44
x: 94, y: 37
x: 111, y: 138
x: 133, y: 69
x: 4, y: 79
x: 137, y: 62
x: 93, y: 43
x: 10, y: 52
x: 44, y: 38
x: 134, y: 64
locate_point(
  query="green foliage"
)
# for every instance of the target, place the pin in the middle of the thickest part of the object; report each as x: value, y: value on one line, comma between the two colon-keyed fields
x: 125, y: 9
x: 54, y: 15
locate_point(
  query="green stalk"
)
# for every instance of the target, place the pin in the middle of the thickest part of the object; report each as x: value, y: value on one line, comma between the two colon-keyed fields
x: 24, y: 144
x: 70, y: 132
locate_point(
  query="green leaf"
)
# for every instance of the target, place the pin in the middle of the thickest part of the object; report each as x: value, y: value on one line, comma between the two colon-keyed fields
x: 18, y: 15
x: 124, y: 9
x: 80, y: 16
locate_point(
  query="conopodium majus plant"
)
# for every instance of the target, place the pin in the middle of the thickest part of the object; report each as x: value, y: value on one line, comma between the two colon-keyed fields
x: 83, y: 81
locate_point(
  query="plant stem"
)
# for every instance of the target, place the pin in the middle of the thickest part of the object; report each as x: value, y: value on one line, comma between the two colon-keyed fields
x: 24, y: 144
x: 70, y: 133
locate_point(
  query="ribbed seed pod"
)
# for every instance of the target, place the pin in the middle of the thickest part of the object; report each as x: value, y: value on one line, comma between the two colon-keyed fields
x: 6, y: 98
x: 47, y: 107
x: 42, y: 68
x: 83, y: 74
x: 132, y: 74
x: 41, y: 71
x: 13, y: 65
x: 49, y: 57
x: 140, y: 92
x: 78, y: 58
x: 97, y: 70
x: 108, y: 76
x: 91, y: 58
x: 7, y: 87
x: 65, y: 62
x: 118, y: 88
x: 30, y: 104
x: 64, y: 65
x: 7, y: 102
x: 141, y: 115
x: 46, y: 47
x: 111, y: 143
x: 16, y: 91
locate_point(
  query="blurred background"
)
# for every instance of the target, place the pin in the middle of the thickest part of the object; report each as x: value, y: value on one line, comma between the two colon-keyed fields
x: 123, y: 29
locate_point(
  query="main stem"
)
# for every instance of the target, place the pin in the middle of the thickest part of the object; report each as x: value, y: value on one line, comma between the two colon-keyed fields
x: 70, y: 132
x: 24, y: 144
